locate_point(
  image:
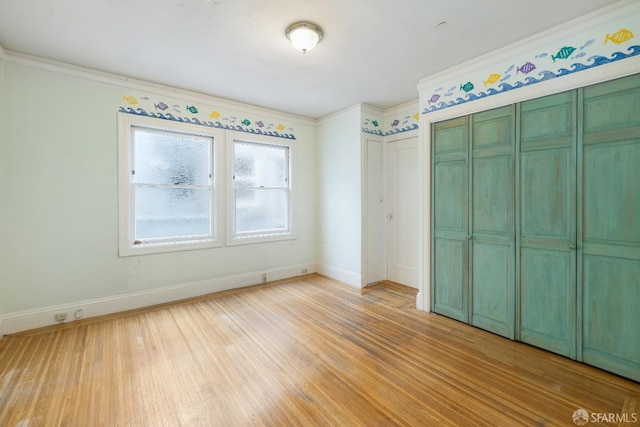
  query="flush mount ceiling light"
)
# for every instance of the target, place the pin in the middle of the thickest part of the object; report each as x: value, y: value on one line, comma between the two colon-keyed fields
x: 304, y: 36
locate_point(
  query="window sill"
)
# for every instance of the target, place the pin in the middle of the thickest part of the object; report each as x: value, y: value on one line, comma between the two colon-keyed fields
x: 263, y: 238
x: 158, y: 248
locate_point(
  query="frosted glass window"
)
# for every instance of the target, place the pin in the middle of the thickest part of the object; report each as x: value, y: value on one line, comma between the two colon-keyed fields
x: 167, y: 185
x: 259, y: 210
x: 261, y: 188
x: 172, y: 158
x: 172, y: 212
x: 260, y: 165
x: 171, y: 176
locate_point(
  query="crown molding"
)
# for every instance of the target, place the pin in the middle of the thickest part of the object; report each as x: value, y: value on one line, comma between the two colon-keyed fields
x: 570, y: 28
x: 347, y: 110
x: 414, y: 104
x: 143, y: 85
x: 368, y: 108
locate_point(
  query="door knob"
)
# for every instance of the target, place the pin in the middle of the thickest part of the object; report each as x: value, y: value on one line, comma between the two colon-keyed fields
x: 390, y: 216
x: 572, y: 246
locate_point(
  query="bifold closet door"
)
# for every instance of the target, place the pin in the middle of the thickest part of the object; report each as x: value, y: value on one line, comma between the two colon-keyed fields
x: 547, y: 244
x: 492, y: 229
x: 473, y: 221
x: 450, y: 254
x: 611, y: 226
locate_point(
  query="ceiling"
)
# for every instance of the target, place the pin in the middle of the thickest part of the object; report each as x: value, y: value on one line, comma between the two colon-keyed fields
x: 373, y: 51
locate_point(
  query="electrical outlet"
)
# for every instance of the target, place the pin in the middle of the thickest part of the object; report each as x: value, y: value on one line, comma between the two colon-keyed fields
x: 264, y: 277
x: 304, y: 271
x: 78, y: 314
x: 61, y: 317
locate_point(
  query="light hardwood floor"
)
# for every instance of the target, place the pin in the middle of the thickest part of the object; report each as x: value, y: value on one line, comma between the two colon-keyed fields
x: 303, y: 352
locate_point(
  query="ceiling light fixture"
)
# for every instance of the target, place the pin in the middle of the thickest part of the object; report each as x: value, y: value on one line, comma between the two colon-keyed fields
x: 304, y: 36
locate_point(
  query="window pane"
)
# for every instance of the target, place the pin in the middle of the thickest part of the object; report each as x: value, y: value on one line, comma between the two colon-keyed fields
x: 161, y: 157
x: 261, y: 210
x: 172, y: 212
x: 260, y: 165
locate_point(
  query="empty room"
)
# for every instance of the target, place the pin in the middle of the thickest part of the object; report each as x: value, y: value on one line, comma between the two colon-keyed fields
x: 337, y: 213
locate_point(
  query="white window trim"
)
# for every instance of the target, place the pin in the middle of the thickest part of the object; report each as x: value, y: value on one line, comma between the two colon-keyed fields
x: 244, y: 239
x: 125, y: 195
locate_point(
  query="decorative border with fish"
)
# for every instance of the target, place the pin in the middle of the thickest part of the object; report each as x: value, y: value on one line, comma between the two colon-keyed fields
x: 372, y: 126
x: 565, y: 59
x: 215, y: 119
x: 403, y: 123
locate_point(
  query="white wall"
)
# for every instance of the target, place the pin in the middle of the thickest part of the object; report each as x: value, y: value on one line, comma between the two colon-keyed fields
x: 339, y: 196
x: 2, y: 201
x: 60, y: 202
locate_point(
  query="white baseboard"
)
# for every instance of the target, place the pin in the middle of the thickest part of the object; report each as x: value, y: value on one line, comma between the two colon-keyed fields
x: 11, y: 323
x: 341, y: 275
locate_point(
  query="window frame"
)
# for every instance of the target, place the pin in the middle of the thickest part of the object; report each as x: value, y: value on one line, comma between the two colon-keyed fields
x: 234, y: 238
x: 127, y: 247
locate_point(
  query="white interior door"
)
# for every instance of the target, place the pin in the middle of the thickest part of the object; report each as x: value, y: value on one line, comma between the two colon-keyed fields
x: 403, y: 203
x: 374, y: 215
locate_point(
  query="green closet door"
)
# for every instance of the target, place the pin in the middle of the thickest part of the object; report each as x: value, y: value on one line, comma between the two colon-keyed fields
x: 450, y: 219
x: 492, y: 280
x: 611, y: 227
x: 547, y: 251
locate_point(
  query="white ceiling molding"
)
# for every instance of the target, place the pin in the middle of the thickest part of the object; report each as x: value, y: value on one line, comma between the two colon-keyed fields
x: 414, y: 104
x: 144, y: 86
x: 337, y: 114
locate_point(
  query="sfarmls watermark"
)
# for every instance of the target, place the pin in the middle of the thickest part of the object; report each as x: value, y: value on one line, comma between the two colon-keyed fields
x: 582, y: 417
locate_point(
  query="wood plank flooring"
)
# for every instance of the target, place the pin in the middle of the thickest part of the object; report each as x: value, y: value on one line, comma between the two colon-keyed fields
x: 304, y: 352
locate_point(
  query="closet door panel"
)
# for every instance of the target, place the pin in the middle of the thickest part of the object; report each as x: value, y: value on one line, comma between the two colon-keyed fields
x: 611, y: 226
x: 451, y: 196
x: 611, y: 266
x: 546, y: 184
x: 547, y: 251
x: 492, y: 222
x: 547, y: 303
x: 450, y: 280
x: 493, y: 287
x: 612, y: 192
x: 492, y: 203
x: 547, y: 257
x: 451, y: 239
x: 450, y: 219
x: 611, y: 296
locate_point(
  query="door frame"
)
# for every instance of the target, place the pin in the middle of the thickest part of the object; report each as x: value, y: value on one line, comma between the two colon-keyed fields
x: 384, y: 140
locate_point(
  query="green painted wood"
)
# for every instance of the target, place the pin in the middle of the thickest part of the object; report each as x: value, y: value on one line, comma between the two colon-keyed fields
x: 611, y: 226
x: 547, y: 241
x: 492, y: 280
x: 576, y: 209
x: 450, y: 292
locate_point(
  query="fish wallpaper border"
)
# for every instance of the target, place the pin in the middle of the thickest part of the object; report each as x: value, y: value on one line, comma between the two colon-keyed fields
x: 372, y: 126
x: 538, y: 66
x: 215, y: 118
x: 404, y: 122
